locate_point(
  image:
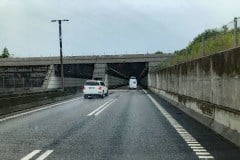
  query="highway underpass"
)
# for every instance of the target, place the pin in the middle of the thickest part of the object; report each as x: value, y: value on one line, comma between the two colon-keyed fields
x: 44, y: 73
x: 116, y: 74
x: 126, y: 125
x: 126, y: 70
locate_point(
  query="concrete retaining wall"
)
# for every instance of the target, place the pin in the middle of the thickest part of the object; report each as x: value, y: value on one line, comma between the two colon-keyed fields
x: 113, y: 82
x: 55, y: 82
x: 208, y: 89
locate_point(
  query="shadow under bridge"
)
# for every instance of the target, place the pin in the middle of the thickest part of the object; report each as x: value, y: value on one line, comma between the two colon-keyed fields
x: 119, y: 73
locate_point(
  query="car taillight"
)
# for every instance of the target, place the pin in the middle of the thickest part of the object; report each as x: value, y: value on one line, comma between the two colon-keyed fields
x: 84, y: 87
x: 100, y: 88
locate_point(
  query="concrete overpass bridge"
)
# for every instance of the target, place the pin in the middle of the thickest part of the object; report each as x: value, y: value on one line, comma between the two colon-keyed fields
x: 44, y: 72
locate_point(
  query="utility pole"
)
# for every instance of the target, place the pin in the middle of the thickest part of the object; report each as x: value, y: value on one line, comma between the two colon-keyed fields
x: 236, y: 32
x: 60, y: 42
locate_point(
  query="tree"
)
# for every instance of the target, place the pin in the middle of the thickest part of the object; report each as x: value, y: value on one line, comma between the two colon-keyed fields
x: 5, y: 53
x: 159, y: 52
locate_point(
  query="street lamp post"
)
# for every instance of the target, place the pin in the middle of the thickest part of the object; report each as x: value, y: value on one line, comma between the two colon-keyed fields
x: 60, y: 42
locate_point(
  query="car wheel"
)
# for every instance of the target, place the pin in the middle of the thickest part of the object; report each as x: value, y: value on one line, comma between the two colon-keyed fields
x: 106, y: 94
x: 102, y: 96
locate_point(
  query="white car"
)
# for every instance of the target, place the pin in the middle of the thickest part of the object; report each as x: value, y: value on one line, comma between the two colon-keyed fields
x: 95, y: 88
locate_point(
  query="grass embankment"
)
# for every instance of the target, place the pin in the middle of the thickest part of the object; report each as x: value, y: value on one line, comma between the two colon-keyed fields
x: 214, y: 41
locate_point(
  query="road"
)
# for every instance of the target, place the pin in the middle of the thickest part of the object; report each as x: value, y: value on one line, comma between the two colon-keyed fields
x: 126, y: 125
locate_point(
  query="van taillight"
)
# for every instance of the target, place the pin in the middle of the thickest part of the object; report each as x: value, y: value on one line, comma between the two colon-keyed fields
x: 100, y: 88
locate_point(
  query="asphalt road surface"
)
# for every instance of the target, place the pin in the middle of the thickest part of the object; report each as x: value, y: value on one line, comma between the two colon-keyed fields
x: 126, y: 125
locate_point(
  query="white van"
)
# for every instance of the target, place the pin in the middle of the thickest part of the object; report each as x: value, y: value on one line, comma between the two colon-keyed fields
x: 132, y: 83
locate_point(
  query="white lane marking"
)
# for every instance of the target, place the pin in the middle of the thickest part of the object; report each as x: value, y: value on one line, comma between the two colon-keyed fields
x: 96, y: 110
x: 180, y: 129
x: 45, y: 155
x: 199, y: 150
x: 205, y: 157
x: 191, y: 145
x: 35, y: 152
x: 202, y: 153
x: 188, y: 138
x: 192, y: 142
x: 184, y: 134
x: 196, y: 147
x: 36, y: 110
x: 104, y: 108
x: 30, y: 155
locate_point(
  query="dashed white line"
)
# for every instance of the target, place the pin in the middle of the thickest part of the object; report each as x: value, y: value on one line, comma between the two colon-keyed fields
x: 202, y: 153
x: 30, y: 155
x: 188, y: 138
x: 93, y: 112
x: 97, y: 113
x: 191, y: 145
x: 45, y: 155
x: 36, y: 110
x: 205, y: 157
x: 192, y: 142
x: 183, y: 132
x: 101, y: 108
x: 199, y: 150
x: 35, y: 152
x: 196, y: 147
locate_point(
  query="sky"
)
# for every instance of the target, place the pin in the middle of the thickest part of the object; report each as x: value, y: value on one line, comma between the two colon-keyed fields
x: 99, y: 27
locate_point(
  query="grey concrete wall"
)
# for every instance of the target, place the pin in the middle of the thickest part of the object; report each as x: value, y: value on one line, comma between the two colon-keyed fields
x: 113, y: 82
x: 208, y: 89
x: 23, y: 102
x: 54, y: 82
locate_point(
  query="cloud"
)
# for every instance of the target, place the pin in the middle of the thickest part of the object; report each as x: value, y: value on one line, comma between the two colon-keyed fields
x: 108, y: 26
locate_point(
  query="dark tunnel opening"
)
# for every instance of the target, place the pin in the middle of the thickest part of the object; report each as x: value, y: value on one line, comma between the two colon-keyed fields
x: 126, y: 70
x: 118, y: 73
x: 75, y: 70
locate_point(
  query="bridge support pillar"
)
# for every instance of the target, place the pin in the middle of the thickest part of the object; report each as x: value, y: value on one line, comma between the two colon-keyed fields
x: 99, y: 71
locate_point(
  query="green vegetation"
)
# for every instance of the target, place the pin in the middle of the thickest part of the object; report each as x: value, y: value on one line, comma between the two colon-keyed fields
x: 206, y: 43
x: 159, y: 52
x: 5, y: 53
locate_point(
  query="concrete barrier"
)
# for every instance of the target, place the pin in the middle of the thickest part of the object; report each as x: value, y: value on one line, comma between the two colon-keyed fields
x: 11, y: 105
x: 207, y: 89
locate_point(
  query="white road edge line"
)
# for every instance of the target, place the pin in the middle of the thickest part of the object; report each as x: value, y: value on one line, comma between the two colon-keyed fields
x: 45, y: 155
x: 104, y: 108
x: 96, y: 110
x: 37, y: 110
x: 174, y: 123
x: 30, y: 155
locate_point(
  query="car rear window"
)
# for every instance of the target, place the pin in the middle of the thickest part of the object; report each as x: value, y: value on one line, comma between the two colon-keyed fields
x: 92, y: 83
